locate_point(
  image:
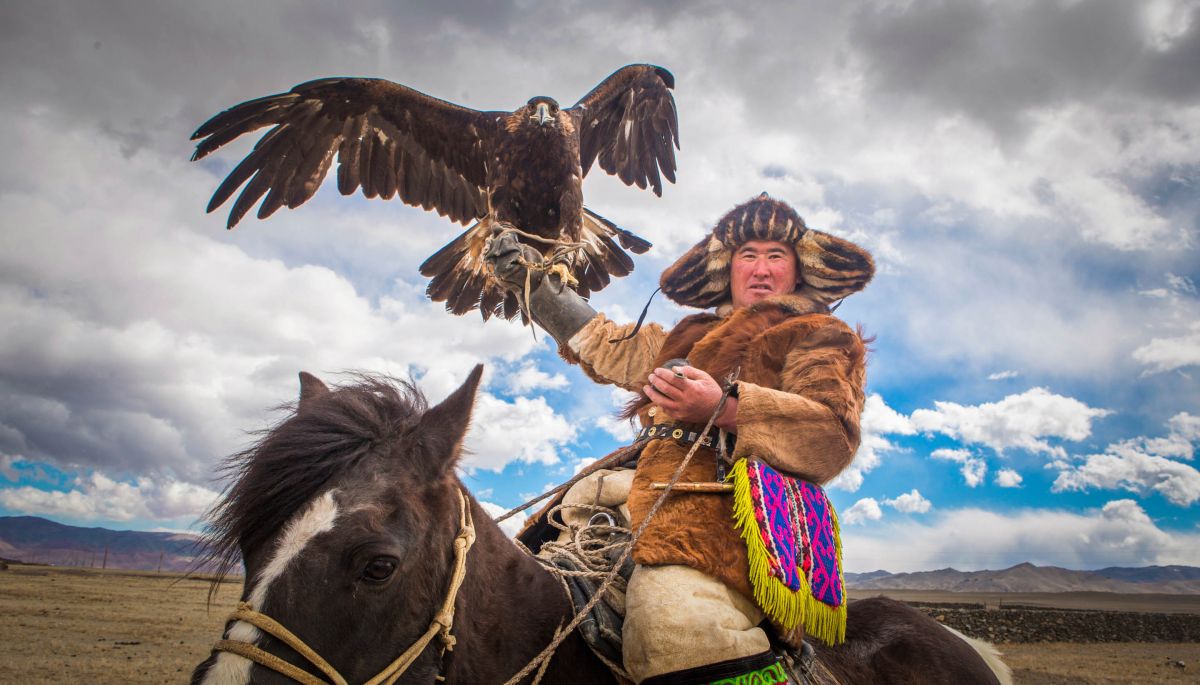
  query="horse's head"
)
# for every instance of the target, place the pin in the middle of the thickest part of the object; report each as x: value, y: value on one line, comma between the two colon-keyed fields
x: 344, y: 515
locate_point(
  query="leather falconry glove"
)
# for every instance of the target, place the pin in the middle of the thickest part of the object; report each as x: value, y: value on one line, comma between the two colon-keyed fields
x: 555, y: 307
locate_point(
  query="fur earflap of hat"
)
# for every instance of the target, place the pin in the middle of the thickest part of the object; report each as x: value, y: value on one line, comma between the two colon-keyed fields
x: 830, y: 268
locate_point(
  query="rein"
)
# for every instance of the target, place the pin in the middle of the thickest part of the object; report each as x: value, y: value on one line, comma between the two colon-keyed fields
x: 543, y: 658
x: 440, y: 627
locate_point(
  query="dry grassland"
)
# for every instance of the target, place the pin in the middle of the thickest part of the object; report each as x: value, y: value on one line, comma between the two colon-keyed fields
x: 1105, y: 601
x: 1111, y: 663
x: 62, y: 625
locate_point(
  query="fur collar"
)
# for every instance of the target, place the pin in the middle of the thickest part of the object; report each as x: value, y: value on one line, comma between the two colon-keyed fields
x: 792, y: 303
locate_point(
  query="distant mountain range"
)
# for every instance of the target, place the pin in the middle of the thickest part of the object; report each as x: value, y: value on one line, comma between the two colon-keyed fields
x: 1175, y: 580
x: 32, y: 539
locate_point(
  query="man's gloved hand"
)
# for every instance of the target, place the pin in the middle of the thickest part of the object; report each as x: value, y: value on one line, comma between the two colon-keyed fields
x: 505, y: 256
x: 558, y: 309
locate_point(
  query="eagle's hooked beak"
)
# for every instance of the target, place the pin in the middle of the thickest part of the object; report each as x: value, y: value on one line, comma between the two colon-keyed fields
x: 543, y: 114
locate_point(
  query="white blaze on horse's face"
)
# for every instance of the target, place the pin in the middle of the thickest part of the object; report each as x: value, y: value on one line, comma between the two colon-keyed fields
x: 319, y: 517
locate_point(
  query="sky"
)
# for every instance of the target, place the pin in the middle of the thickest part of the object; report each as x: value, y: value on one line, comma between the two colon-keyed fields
x: 1026, y: 175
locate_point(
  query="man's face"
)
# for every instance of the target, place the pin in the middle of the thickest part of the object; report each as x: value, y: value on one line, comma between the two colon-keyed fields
x: 760, y: 269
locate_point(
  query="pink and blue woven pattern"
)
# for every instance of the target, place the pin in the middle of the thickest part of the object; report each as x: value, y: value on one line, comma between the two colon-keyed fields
x: 796, y: 525
x: 824, y: 578
x: 775, y: 508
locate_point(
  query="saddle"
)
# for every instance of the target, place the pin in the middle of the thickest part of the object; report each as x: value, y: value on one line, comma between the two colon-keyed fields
x: 585, y: 556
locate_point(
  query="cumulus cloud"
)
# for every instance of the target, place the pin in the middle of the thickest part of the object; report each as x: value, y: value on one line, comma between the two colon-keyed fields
x: 973, y: 467
x: 96, y: 496
x: 1141, y: 464
x: 1127, y: 466
x: 529, y: 378
x: 1181, y: 284
x: 525, y: 430
x: 1018, y: 421
x: 878, y: 420
x: 1008, y: 478
x: 149, y: 346
x: 7, y: 461
x: 511, y: 525
x: 622, y: 430
x: 1118, y: 533
x: 1168, y: 354
x: 1002, y: 375
x: 141, y: 338
x: 865, y: 509
x: 1180, y: 441
x: 912, y: 502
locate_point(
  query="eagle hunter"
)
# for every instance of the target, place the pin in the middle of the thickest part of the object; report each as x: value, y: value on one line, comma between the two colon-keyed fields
x: 521, y: 169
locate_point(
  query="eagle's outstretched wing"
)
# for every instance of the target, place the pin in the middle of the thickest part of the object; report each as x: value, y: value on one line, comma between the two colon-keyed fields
x: 629, y: 122
x: 389, y: 140
x: 459, y: 277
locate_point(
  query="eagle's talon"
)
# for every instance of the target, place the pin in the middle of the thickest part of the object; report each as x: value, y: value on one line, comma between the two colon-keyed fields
x: 564, y: 275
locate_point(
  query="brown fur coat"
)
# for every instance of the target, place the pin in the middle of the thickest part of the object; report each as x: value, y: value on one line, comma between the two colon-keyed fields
x: 800, y: 394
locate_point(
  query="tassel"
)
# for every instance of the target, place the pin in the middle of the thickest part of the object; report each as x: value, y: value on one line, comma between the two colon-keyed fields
x: 786, y: 608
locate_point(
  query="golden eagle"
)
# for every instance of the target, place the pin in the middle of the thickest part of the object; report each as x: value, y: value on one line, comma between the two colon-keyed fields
x: 522, y: 169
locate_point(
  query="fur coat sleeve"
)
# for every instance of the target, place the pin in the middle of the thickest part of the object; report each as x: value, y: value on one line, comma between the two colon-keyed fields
x: 809, y: 425
x: 626, y: 364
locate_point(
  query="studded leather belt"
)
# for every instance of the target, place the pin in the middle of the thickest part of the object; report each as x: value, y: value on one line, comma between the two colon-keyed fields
x: 681, y: 435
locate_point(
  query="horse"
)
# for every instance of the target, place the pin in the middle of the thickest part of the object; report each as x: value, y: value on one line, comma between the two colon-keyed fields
x: 356, y: 538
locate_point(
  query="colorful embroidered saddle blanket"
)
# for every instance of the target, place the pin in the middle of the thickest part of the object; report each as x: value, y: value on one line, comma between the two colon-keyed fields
x: 795, y: 549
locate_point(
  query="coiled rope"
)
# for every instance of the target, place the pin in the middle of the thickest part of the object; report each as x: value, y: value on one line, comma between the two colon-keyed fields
x: 612, y: 574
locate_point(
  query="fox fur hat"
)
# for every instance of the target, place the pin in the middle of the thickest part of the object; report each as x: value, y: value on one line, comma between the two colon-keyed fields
x: 829, y: 267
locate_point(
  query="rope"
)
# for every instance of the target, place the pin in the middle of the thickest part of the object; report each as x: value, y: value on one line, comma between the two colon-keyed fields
x: 583, y: 473
x: 608, y: 580
x: 440, y: 626
x: 588, y: 544
x: 443, y: 621
x: 245, y: 612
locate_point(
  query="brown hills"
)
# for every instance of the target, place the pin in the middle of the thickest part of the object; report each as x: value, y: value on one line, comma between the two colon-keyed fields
x: 1178, y: 580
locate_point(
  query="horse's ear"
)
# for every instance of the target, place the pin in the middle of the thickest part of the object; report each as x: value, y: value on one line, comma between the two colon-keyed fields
x: 311, y: 388
x: 443, y: 427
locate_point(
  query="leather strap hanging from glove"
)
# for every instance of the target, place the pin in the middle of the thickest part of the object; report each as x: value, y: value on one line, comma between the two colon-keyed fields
x: 555, y: 307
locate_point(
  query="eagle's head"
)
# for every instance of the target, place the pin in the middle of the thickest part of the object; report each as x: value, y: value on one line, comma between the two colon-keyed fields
x: 542, y: 111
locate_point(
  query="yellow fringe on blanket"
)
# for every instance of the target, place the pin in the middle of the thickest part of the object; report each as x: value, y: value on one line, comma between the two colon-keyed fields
x: 784, y: 607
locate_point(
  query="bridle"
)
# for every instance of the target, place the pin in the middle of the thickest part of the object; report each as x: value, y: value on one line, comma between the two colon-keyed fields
x: 440, y: 626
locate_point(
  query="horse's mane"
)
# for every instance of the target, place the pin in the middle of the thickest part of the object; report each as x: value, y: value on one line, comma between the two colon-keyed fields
x: 293, y: 460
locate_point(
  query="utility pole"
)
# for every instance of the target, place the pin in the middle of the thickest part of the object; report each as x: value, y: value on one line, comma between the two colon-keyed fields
x: 105, y: 564
x: 160, y: 558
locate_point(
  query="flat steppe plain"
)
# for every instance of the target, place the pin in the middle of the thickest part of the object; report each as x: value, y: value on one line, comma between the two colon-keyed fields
x: 69, y: 625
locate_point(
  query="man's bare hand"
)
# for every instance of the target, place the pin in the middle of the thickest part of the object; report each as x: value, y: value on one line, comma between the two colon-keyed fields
x: 690, y: 395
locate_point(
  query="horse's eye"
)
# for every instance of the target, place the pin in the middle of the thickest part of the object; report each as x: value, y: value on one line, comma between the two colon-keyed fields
x: 379, y: 569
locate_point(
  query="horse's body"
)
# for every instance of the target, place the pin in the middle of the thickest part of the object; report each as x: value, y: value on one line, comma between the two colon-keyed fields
x: 345, y: 517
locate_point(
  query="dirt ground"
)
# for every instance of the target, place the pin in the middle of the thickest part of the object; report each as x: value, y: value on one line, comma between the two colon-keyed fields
x: 1112, y: 663
x: 63, y: 625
